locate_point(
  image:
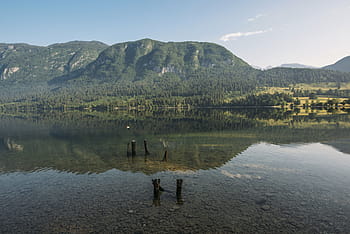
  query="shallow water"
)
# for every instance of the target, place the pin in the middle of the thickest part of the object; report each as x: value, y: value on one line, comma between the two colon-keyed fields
x: 262, y: 176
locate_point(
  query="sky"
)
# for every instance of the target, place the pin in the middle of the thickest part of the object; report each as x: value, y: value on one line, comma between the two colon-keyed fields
x: 261, y: 32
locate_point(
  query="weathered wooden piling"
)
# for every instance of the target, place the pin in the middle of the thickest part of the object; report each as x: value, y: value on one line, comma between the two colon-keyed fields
x: 156, y: 192
x: 157, y: 189
x: 128, y: 150
x: 179, y: 191
x: 179, y: 186
x: 133, y: 148
x: 165, y: 157
x: 146, y: 148
x: 156, y: 186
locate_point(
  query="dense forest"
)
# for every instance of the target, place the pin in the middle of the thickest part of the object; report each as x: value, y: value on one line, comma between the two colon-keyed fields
x: 147, y: 74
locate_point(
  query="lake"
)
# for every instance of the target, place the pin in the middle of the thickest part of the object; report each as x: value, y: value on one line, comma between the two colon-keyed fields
x: 243, y: 171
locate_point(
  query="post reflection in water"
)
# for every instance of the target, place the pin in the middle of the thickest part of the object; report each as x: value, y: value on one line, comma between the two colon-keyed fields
x: 79, y: 143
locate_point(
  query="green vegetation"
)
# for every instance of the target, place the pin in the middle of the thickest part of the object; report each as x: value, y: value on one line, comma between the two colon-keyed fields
x: 265, y: 99
x: 147, y: 59
x: 341, y: 65
x: 148, y: 74
x: 21, y: 63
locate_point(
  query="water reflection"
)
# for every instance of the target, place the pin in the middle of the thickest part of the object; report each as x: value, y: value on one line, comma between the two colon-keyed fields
x: 225, y: 171
x: 9, y: 144
x: 178, y: 141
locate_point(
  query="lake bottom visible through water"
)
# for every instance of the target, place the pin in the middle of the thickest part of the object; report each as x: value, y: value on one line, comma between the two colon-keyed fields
x: 267, y: 188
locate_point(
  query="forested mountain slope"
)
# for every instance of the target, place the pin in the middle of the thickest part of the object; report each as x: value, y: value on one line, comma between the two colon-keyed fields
x: 341, y: 65
x: 23, y: 62
x: 146, y: 58
x: 81, y: 73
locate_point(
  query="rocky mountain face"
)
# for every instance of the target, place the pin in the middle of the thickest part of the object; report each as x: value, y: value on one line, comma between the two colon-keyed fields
x: 28, y: 62
x: 139, y: 59
x: 132, y: 61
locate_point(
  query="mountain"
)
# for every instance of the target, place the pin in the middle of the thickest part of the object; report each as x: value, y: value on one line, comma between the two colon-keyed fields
x: 256, y: 67
x: 144, y: 58
x: 342, y: 65
x: 139, y: 73
x: 27, y: 62
x: 296, y: 65
x: 283, y: 77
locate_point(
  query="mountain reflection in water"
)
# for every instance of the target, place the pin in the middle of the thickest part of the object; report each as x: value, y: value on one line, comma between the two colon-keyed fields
x: 194, y: 140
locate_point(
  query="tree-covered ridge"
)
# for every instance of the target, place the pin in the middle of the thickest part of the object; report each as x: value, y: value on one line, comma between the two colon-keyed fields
x: 23, y: 62
x: 287, y: 76
x: 341, y: 65
x: 147, y: 74
x: 145, y: 58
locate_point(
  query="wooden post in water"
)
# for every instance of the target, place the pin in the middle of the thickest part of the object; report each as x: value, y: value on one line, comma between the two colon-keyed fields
x: 165, y: 157
x: 156, y: 185
x: 178, y: 191
x: 133, y: 148
x: 146, y: 149
x: 156, y: 192
x: 178, y: 186
x: 128, y: 150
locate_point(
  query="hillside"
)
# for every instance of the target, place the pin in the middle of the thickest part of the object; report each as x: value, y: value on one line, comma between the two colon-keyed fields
x: 342, y: 65
x: 144, y: 58
x: 286, y: 76
x: 23, y: 62
x: 145, y: 73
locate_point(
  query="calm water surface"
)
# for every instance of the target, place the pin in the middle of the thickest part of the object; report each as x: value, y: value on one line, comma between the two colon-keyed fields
x: 256, y: 171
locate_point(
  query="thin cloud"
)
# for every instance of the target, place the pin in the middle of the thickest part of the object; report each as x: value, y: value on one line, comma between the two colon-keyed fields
x: 236, y: 35
x: 255, y: 17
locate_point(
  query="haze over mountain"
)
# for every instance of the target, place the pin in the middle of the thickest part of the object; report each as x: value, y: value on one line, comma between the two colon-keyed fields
x: 287, y: 65
x: 342, y: 65
x: 296, y: 65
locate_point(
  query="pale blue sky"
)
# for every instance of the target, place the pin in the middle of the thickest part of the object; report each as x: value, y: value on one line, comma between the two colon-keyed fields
x: 262, y: 32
